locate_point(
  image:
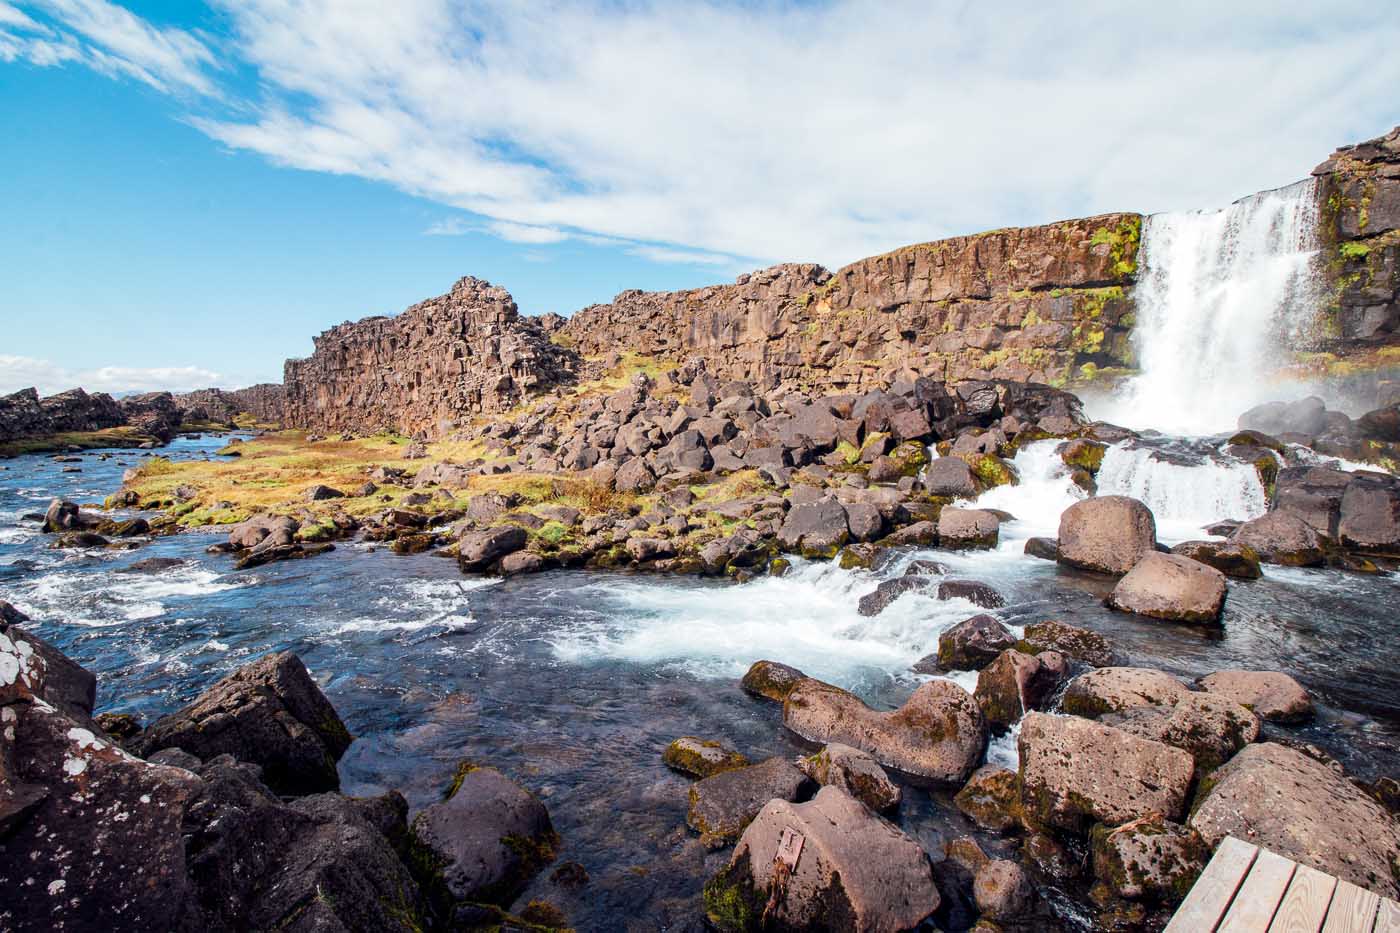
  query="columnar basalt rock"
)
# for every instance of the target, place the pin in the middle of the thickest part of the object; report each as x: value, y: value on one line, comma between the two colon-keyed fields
x: 1024, y: 303
x: 426, y: 370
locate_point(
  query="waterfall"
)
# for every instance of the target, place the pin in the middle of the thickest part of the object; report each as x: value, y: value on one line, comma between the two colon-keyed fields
x: 1184, y: 494
x: 1220, y: 298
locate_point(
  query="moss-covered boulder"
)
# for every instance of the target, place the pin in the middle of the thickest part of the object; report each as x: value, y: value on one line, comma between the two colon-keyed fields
x: 855, y: 772
x: 722, y: 805
x: 483, y: 843
x: 991, y: 798
x: 771, y: 680
x: 701, y: 758
x: 1080, y: 644
x: 1148, y: 859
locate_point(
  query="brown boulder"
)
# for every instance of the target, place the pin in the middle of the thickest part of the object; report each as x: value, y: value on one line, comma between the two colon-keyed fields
x: 938, y: 735
x: 724, y: 803
x: 1150, y: 858
x: 1081, y: 644
x: 1106, y: 534
x: 1170, y: 587
x: 771, y: 680
x: 1273, y: 696
x: 967, y: 528
x: 973, y: 643
x: 991, y: 798
x: 1211, y: 727
x: 1015, y: 683
x: 1286, y: 802
x: 1231, y: 559
x: 853, y: 873
x: 1076, y: 772
x: 1281, y: 538
x: 268, y: 712
x: 701, y: 757
x: 1116, y: 689
x: 478, y: 550
x: 1002, y: 892
x: 855, y: 772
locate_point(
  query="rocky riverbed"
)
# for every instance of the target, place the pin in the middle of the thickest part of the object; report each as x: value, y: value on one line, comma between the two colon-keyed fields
x: 565, y: 689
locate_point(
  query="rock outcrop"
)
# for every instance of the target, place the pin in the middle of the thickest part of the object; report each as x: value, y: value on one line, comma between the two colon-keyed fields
x: 426, y: 370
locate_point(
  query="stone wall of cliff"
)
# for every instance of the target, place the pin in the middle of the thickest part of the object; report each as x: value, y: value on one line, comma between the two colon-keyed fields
x: 263, y: 401
x: 25, y: 414
x: 1035, y: 303
x: 426, y: 370
x: 1360, y: 192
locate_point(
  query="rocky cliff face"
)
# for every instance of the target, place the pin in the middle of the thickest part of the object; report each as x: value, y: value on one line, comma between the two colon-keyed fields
x: 1032, y: 303
x: 25, y: 414
x: 1360, y: 190
x: 438, y: 363
x: 263, y: 401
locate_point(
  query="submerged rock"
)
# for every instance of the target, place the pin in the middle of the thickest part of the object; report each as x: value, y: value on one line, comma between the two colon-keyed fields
x: 723, y: 804
x: 483, y: 843
x: 269, y: 712
x: 1286, y: 802
x: 1044, y: 548
x: 855, y: 772
x: 1076, y: 772
x: 1106, y: 534
x: 938, y: 735
x: 1273, y: 696
x: 771, y: 680
x: 826, y: 865
x: 879, y: 599
x: 701, y: 757
x: 1171, y: 587
x: 974, y: 591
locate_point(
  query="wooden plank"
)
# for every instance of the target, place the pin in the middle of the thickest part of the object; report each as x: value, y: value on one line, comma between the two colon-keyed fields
x: 1353, y: 910
x: 1258, y: 898
x: 1212, y: 893
x: 1388, y: 918
x: 1304, y: 905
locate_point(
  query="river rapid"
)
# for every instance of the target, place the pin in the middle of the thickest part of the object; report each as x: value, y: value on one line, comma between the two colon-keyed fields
x: 574, y: 682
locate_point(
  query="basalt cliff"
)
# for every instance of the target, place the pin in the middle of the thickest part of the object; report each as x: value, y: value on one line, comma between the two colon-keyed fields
x: 1052, y: 304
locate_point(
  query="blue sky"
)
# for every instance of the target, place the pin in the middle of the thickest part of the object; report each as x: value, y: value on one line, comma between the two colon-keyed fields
x: 192, y: 192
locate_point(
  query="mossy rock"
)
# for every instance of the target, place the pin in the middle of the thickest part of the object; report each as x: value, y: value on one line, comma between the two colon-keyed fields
x: 779, y: 567
x: 1084, y: 454
x: 731, y: 903
x: 859, y: 556
x: 911, y: 457
x: 991, y: 470
x: 701, y: 758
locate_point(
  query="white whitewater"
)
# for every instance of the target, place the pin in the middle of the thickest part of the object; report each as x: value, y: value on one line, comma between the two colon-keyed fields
x: 1183, y: 497
x: 1220, y: 297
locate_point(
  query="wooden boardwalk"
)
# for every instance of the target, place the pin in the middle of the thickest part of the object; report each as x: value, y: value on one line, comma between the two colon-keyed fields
x: 1246, y: 889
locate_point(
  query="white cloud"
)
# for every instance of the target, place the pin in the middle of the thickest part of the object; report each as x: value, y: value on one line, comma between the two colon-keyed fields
x: 21, y: 372
x: 783, y: 131
x: 110, y: 39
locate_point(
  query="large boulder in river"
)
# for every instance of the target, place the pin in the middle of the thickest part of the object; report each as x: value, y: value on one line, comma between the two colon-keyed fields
x: 31, y: 668
x: 967, y: 528
x: 938, y: 735
x: 483, y: 843
x: 267, y: 531
x: 1286, y: 802
x: 701, y: 758
x: 950, y: 477
x: 1281, y: 538
x: 1370, y: 515
x: 1081, y: 644
x: 826, y: 865
x: 1116, y: 689
x: 1076, y: 772
x: 1272, y: 695
x: 724, y: 803
x: 268, y: 712
x: 62, y: 515
x: 973, y: 643
x: 1209, y: 726
x: 880, y: 598
x: 771, y: 680
x: 1233, y: 560
x: 991, y: 798
x: 1106, y: 534
x: 855, y: 772
x: 1015, y: 683
x: 1148, y: 859
x: 478, y: 550
x: 1170, y: 587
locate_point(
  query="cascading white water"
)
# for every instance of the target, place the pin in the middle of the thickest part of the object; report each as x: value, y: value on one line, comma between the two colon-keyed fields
x: 1220, y: 297
x: 1184, y: 498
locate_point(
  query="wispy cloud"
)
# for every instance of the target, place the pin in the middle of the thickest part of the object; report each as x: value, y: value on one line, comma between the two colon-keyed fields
x: 21, y: 372
x: 110, y: 39
x: 773, y: 130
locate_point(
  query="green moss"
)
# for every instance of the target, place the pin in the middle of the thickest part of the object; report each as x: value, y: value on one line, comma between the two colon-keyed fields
x: 991, y: 470
x: 1354, y: 250
x: 551, y: 533
x: 1122, y: 241
x: 731, y: 903
x: 459, y: 775
x: 848, y: 452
